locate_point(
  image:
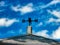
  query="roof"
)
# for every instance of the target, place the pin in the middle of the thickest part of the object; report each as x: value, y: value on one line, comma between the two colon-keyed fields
x: 32, y: 37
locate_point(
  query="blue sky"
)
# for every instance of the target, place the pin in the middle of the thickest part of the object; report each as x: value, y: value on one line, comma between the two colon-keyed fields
x: 46, y: 11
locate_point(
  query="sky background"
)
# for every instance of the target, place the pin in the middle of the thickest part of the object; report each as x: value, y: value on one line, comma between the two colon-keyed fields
x: 46, y: 11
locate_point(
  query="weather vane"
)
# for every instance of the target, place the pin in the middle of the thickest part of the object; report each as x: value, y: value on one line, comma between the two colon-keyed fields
x: 29, y: 28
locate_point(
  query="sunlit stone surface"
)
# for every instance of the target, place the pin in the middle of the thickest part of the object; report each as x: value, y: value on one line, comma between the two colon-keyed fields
x: 29, y: 40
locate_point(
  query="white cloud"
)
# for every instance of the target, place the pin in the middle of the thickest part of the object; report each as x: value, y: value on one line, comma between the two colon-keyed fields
x: 53, y: 20
x: 7, y: 22
x: 51, y: 3
x: 56, y: 34
x: 57, y: 20
x: 23, y: 9
x: 55, y: 13
x: 39, y: 24
x: 54, y: 2
x: 27, y: 9
x: 42, y: 33
x: 10, y: 22
x: 16, y: 8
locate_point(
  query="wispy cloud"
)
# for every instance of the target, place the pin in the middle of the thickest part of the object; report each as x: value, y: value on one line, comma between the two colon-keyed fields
x: 41, y: 23
x: 56, y: 34
x: 51, y: 3
x: 53, y: 20
x: 16, y: 8
x: 7, y: 22
x: 55, y: 13
x: 23, y: 9
x: 42, y: 33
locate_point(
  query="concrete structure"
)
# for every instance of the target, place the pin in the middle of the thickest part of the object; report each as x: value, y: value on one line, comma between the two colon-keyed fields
x: 29, y: 30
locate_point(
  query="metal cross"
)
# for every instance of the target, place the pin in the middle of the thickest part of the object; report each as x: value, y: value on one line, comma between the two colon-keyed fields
x: 29, y: 20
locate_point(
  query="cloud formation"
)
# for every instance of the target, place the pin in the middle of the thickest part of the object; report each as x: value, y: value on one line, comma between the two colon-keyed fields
x: 7, y: 22
x: 55, y: 13
x: 51, y: 3
x: 53, y: 20
x: 23, y: 9
x: 40, y: 24
x: 42, y: 33
x: 56, y: 34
